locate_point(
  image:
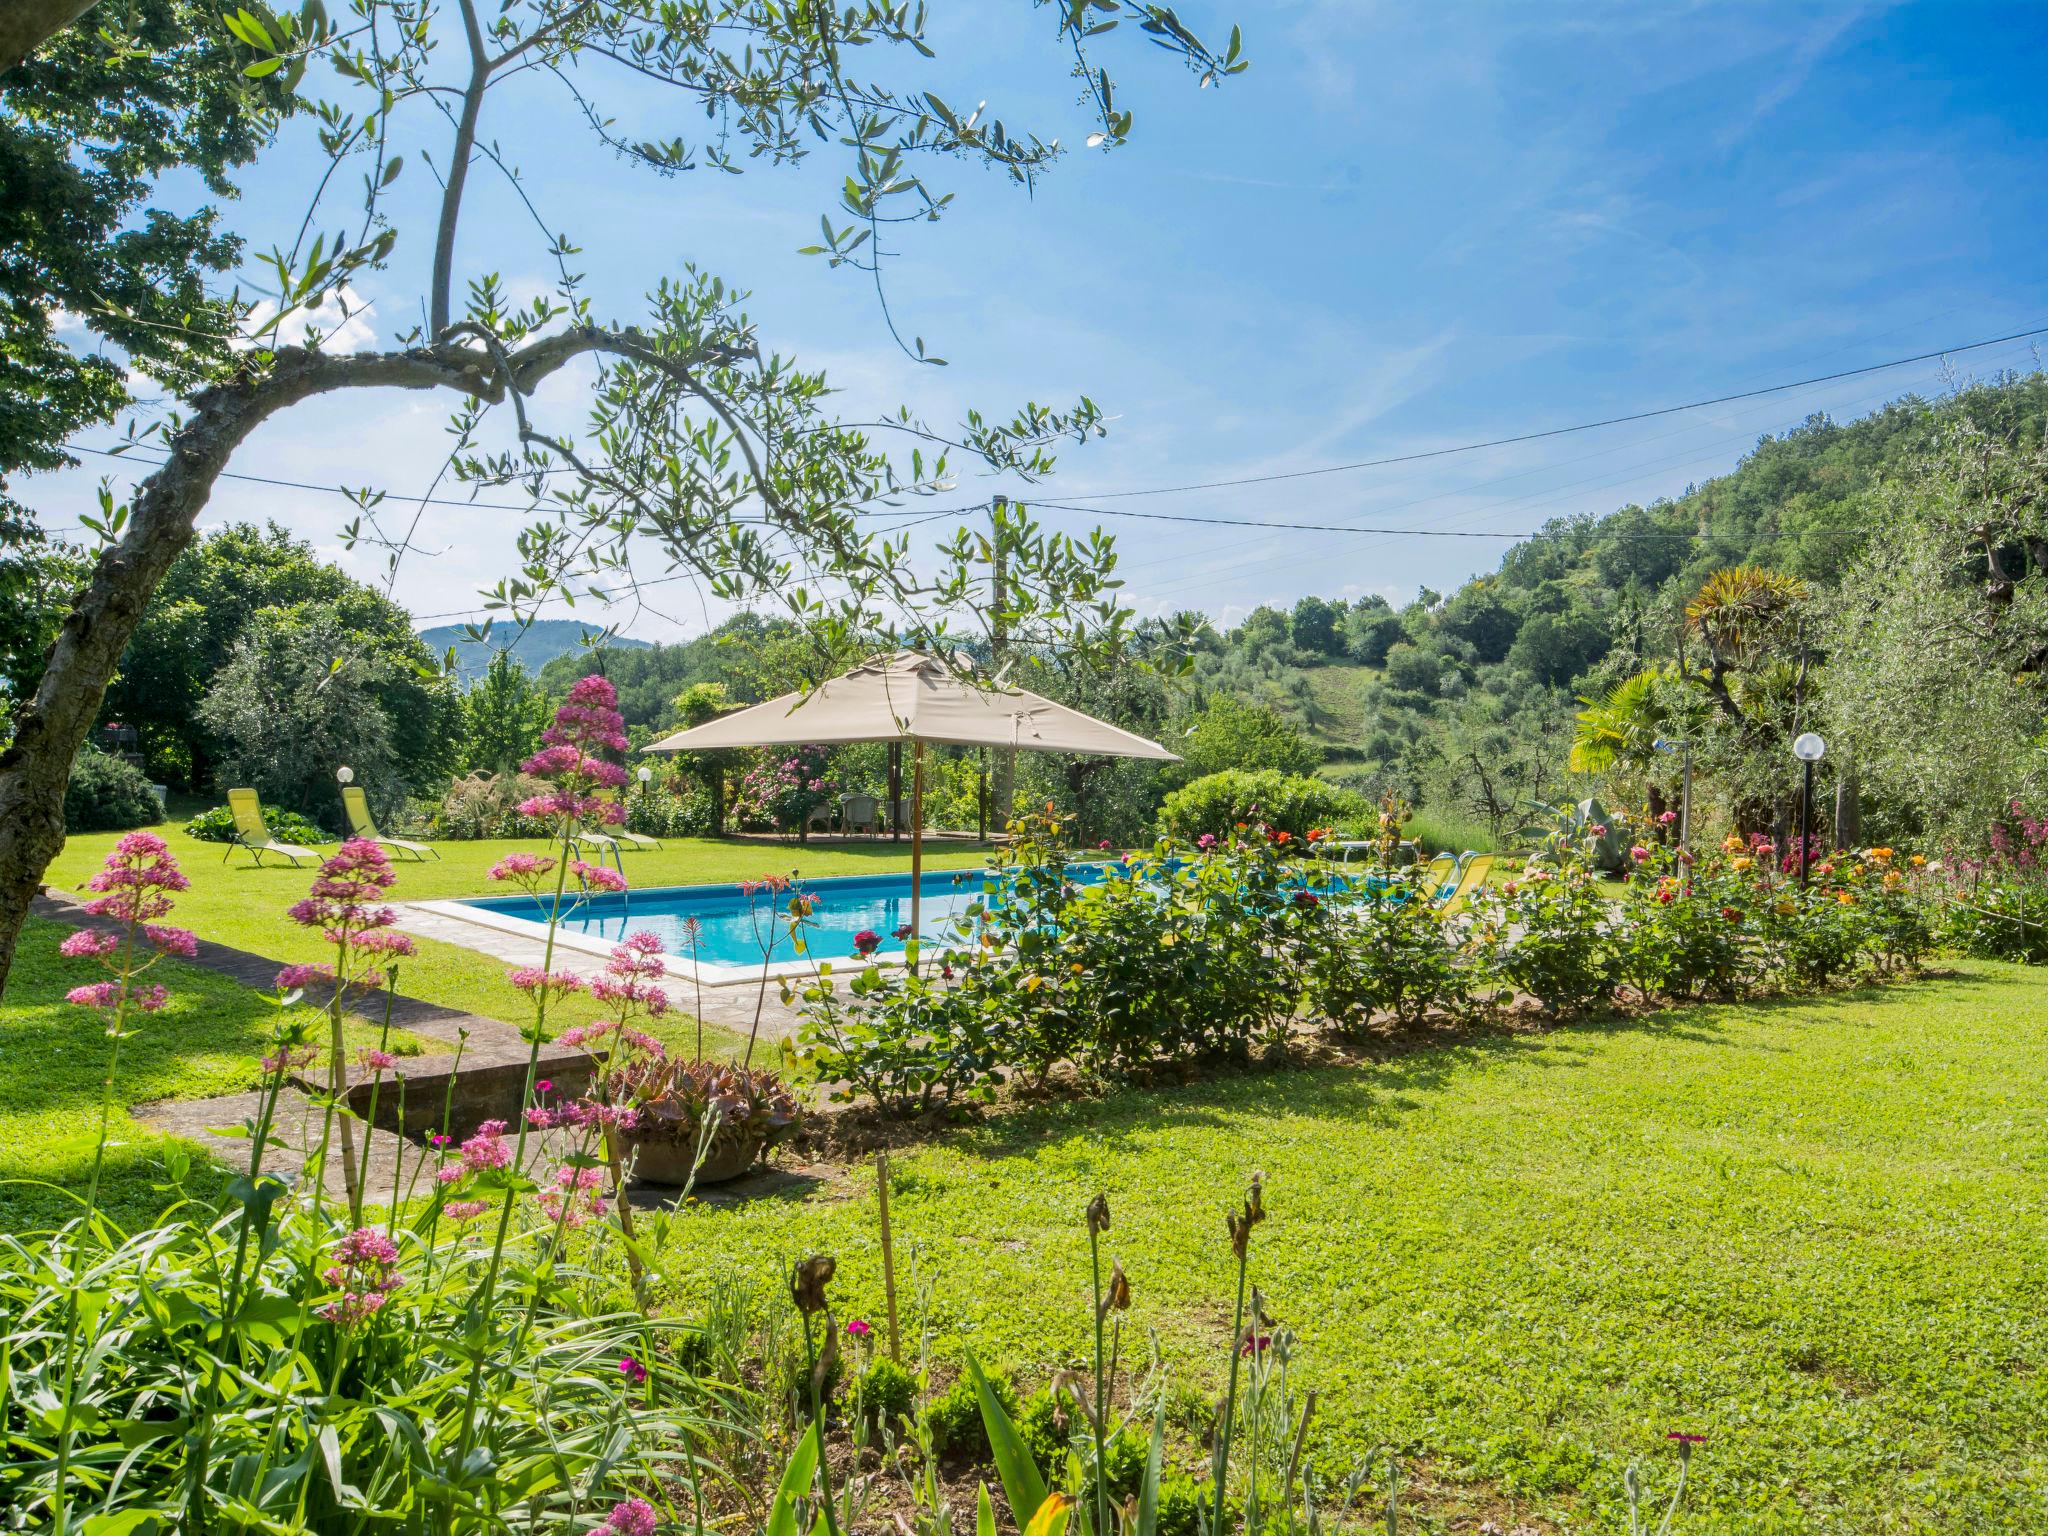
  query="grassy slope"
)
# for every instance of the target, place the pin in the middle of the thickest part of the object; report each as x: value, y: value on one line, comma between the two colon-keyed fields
x: 1339, y: 691
x: 53, y: 1057
x: 1813, y: 1232
x: 242, y: 905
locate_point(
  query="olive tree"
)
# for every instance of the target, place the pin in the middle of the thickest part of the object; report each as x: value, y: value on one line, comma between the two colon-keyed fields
x: 700, y: 444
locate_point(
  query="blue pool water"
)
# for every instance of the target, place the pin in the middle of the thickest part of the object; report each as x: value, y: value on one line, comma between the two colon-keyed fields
x: 733, y: 929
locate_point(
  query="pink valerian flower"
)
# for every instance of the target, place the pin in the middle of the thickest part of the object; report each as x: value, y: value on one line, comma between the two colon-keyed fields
x: 630, y: 1517
x: 465, y: 1210
x: 171, y: 941
x: 535, y: 982
x: 296, y: 978
x: 365, y: 1271
x: 136, y: 881
x: 587, y: 725
x: 106, y: 995
x: 89, y: 944
x: 377, y: 1061
x: 633, y: 1370
x: 576, y: 1196
x: 345, y: 905
x: 595, y: 877
x: 526, y: 869
x: 629, y: 994
x: 486, y: 1148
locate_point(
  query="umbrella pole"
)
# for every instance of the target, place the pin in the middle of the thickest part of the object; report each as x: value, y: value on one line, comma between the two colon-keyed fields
x: 916, y: 847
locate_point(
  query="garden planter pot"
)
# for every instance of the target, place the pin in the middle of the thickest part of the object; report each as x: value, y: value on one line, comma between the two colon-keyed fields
x: 662, y: 1159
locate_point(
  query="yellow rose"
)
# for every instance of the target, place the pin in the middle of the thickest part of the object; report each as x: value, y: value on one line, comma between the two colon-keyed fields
x: 1740, y: 863
x: 1918, y: 861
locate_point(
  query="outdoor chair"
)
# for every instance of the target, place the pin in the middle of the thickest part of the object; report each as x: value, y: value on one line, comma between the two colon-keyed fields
x: 252, y: 833
x: 619, y: 835
x: 818, y: 818
x: 1440, y: 879
x: 355, y: 805
x: 860, y: 813
x: 1471, y: 878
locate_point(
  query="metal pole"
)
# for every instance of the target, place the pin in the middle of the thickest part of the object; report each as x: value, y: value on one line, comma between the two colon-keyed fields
x: 916, y: 848
x: 888, y: 1255
x: 1805, y: 813
x: 1685, y: 802
x: 895, y: 790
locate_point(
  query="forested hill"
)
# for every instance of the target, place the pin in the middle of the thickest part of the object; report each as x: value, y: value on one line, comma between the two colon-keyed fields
x: 1433, y: 696
x: 533, y: 648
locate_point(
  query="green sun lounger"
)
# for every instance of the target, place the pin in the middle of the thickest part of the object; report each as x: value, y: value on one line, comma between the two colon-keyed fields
x: 356, y: 806
x: 252, y: 833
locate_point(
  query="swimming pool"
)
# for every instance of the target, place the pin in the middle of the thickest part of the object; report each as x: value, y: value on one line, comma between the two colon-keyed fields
x: 732, y: 929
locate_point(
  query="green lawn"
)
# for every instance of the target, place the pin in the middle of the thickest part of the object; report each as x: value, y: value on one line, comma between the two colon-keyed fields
x: 239, y: 904
x: 207, y: 1040
x: 1813, y: 1232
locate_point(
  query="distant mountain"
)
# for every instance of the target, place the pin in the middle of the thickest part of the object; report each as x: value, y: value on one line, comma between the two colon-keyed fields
x: 533, y: 647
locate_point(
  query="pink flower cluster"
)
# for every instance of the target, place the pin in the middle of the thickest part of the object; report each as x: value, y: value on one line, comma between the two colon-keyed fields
x: 484, y: 1150
x: 535, y: 982
x: 595, y: 877
x: 107, y: 995
x: 576, y: 1197
x: 629, y: 1517
x: 288, y: 1058
x: 587, y: 725
x: 628, y: 982
x: 526, y: 869
x: 137, y: 880
x: 345, y: 904
x: 365, y: 1271
x: 135, y: 886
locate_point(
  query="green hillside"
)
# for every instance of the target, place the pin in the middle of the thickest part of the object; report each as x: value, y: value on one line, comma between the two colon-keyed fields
x: 532, y: 647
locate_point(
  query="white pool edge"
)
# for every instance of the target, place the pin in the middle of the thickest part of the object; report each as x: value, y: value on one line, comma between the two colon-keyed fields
x: 703, y: 972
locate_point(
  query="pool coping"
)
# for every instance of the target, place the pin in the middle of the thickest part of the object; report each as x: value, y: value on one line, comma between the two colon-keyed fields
x: 703, y: 972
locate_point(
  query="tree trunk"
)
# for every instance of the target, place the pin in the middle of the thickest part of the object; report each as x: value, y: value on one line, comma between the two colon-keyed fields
x: 25, y: 25
x: 81, y: 661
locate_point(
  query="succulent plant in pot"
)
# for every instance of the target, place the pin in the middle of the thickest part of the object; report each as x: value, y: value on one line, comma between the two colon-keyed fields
x: 730, y: 1115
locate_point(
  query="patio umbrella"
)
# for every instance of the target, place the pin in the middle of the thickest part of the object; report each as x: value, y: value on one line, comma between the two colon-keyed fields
x: 910, y: 696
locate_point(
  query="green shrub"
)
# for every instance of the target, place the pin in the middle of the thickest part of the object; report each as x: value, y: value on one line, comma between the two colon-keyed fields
x: 1391, y: 953
x: 886, y: 1392
x: 218, y: 826
x: 1185, y: 1506
x: 1218, y: 802
x: 108, y: 794
x: 954, y: 1418
x: 1547, y: 932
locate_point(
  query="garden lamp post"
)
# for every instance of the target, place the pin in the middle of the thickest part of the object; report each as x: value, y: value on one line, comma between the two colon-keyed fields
x: 1809, y: 749
x: 1684, y: 749
x: 646, y: 777
x: 345, y: 774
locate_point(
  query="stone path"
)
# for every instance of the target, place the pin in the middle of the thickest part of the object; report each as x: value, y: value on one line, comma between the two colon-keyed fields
x: 490, y: 1054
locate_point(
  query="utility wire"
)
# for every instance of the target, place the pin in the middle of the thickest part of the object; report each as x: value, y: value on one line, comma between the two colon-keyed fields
x: 1584, y: 426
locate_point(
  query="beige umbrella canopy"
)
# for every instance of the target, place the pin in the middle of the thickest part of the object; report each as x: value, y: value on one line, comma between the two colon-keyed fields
x: 910, y: 696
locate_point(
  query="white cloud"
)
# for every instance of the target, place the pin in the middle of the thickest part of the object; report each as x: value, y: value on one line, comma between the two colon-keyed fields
x: 343, y: 322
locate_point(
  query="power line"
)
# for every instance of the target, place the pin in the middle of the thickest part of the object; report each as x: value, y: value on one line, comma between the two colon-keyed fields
x: 1247, y: 522
x: 1584, y: 426
x: 428, y: 501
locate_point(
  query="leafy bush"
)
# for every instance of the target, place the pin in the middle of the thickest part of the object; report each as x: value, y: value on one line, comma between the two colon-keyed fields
x: 954, y: 1421
x: 887, y: 1393
x: 670, y: 811
x: 1390, y: 954
x: 783, y: 788
x: 218, y: 826
x: 481, y: 805
x: 907, y: 1040
x: 1681, y: 925
x: 108, y: 794
x: 1546, y: 932
x: 1219, y: 802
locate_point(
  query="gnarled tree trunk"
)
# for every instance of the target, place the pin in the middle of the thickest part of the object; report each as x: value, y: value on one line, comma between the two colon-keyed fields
x: 81, y: 661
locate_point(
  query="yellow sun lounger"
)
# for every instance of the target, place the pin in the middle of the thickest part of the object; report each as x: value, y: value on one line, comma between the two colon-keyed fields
x: 252, y: 833
x: 356, y: 806
x: 1477, y: 867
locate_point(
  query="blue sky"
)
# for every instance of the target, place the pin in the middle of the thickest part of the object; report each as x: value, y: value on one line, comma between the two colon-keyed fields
x: 1403, y: 228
